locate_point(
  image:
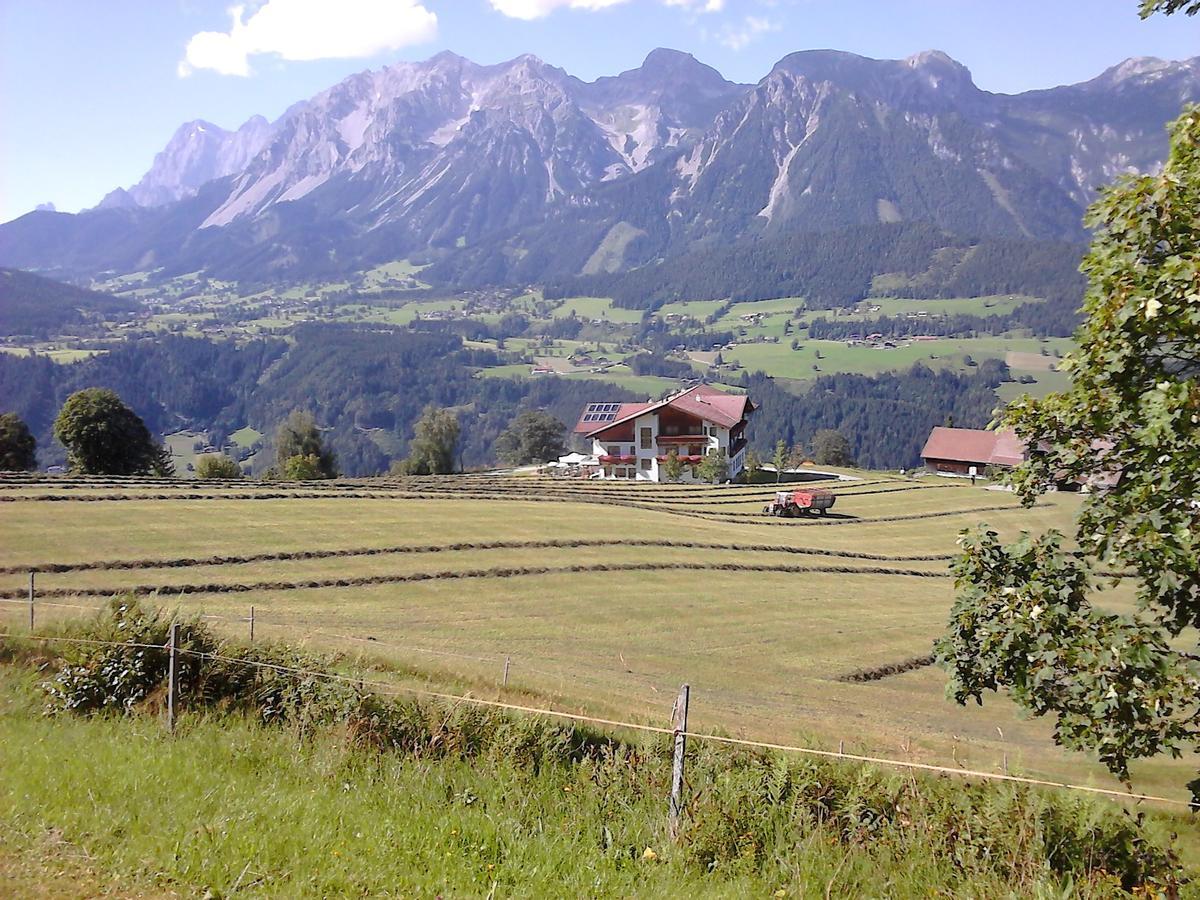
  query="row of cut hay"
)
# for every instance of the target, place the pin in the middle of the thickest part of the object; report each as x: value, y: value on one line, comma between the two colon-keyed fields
x: 569, y: 543
x: 749, y: 518
x: 762, y: 497
x: 454, y: 485
x: 755, y: 519
x: 878, y: 673
x: 503, y: 572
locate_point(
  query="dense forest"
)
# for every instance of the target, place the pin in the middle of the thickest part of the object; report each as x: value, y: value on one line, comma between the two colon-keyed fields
x: 368, y: 386
x: 36, y: 306
x: 365, y: 386
x: 886, y: 418
x: 838, y: 269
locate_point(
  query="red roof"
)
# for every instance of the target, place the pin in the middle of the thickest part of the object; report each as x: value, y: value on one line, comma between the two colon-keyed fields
x: 703, y: 402
x: 971, y: 445
x: 622, y: 411
x: 711, y: 404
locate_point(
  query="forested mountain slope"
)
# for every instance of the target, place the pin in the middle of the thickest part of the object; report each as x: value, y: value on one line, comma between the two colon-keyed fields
x: 368, y: 386
x: 32, y: 305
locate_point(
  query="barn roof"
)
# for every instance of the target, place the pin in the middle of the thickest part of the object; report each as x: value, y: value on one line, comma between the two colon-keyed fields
x: 972, y: 445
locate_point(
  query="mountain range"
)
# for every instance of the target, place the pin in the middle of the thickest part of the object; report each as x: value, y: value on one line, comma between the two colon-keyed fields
x: 520, y: 172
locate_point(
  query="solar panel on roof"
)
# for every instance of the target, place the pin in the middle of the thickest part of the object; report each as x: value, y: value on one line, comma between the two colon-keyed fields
x: 601, y: 412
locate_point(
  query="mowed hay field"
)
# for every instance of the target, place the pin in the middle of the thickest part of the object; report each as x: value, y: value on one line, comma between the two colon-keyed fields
x: 604, y: 597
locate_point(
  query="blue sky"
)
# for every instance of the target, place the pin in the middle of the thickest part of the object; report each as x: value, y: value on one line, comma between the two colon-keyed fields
x: 89, y: 90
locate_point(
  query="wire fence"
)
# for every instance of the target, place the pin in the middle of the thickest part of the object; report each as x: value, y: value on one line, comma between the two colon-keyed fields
x: 392, y: 689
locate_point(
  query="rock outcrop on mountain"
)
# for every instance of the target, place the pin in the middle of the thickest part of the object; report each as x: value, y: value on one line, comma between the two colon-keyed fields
x: 516, y: 171
x: 197, y: 153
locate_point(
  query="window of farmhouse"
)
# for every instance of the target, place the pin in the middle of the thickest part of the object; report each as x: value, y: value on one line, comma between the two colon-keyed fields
x: 645, y: 463
x: 647, y: 438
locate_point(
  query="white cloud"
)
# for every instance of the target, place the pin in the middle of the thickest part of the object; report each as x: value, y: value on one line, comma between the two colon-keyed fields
x: 708, y: 6
x: 309, y: 29
x: 738, y: 37
x: 537, y: 9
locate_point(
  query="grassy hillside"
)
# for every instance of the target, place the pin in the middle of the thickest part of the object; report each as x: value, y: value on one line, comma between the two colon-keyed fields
x: 612, y: 597
x: 387, y: 797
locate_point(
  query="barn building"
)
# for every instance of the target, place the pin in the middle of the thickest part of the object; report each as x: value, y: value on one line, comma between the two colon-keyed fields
x: 632, y: 440
x: 958, y: 451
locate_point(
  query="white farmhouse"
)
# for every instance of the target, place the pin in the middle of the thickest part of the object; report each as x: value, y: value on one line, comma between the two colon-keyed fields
x: 633, y: 440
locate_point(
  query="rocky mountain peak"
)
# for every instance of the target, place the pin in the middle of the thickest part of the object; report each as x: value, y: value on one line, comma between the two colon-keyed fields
x: 1146, y: 70
x: 452, y: 157
x: 197, y: 152
x: 925, y: 79
x: 940, y: 65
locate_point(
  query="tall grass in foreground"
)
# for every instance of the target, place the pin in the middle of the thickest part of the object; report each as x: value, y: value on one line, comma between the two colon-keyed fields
x: 277, y: 785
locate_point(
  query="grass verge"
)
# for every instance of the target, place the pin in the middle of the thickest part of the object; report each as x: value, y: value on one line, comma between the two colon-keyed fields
x: 277, y: 785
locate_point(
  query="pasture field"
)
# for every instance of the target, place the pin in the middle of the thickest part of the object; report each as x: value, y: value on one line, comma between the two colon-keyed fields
x: 621, y: 376
x: 782, y: 361
x: 596, y: 308
x: 603, y: 597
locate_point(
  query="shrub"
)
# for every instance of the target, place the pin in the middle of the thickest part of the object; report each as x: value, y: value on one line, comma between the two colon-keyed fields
x: 302, y: 468
x: 96, y: 677
x: 217, y: 466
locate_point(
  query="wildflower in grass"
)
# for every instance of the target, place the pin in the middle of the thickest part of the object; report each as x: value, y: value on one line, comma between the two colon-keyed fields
x: 649, y: 855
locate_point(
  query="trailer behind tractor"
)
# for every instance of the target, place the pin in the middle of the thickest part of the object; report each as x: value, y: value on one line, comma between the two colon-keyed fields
x: 792, y: 504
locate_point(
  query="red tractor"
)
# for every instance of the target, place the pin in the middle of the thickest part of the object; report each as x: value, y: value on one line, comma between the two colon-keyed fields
x: 791, y: 504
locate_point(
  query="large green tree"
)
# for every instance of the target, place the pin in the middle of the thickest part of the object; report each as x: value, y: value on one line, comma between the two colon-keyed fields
x: 1124, y: 686
x: 103, y: 436
x: 18, y: 447
x: 533, y: 436
x: 830, y: 448
x: 434, y: 446
x: 299, y: 436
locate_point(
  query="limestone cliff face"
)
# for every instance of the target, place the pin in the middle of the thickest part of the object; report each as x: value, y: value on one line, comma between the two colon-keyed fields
x: 523, y: 160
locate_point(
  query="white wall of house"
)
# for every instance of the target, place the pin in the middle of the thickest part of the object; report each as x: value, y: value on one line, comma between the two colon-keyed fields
x: 646, y: 450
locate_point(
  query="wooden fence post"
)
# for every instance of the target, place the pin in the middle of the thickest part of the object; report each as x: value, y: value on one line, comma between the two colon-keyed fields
x: 31, y: 576
x: 679, y: 716
x: 252, y: 624
x: 507, y: 660
x: 172, y: 682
